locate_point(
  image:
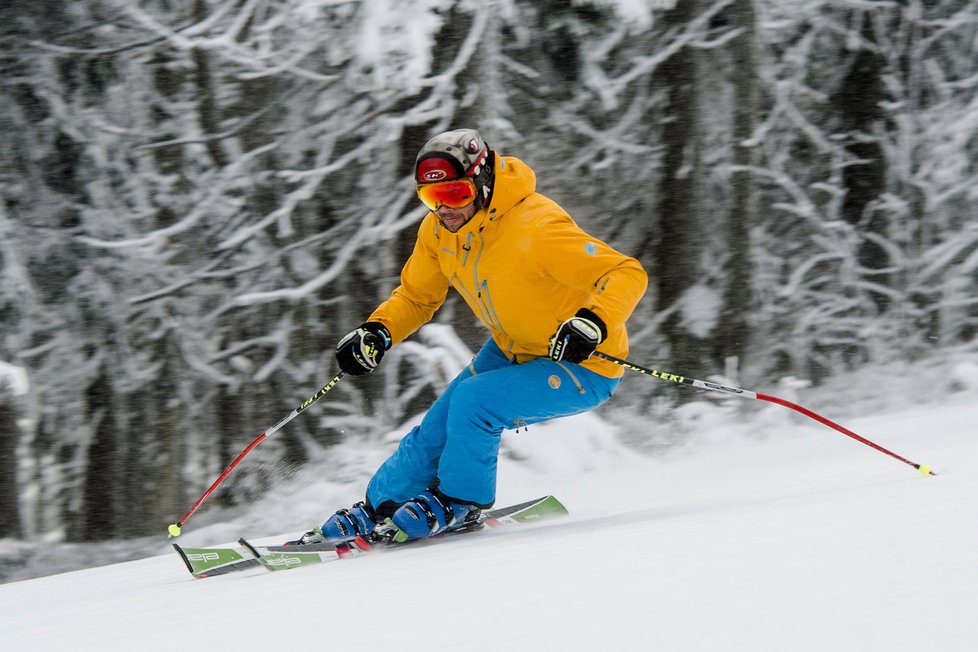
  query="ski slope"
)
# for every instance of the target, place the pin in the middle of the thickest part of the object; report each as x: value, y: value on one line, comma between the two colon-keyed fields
x: 774, y: 534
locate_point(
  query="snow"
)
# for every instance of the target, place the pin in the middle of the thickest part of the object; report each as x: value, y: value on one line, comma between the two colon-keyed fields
x: 699, y: 310
x: 14, y: 378
x: 767, y: 531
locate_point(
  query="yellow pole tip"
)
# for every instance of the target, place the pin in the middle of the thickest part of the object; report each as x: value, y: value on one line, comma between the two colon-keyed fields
x: 173, y: 530
x: 924, y: 470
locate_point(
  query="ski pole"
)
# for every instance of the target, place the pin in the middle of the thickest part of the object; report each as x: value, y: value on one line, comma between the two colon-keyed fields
x: 173, y: 530
x: 924, y: 469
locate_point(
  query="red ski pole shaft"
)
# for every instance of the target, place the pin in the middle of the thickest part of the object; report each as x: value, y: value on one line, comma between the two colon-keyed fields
x: 174, y: 529
x: 716, y: 387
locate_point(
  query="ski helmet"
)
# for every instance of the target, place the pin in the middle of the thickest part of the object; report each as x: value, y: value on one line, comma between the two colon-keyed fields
x: 456, y: 154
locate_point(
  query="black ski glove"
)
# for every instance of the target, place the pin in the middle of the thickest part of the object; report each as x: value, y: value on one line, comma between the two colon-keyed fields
x: 578, y: 337
x: 360, y: 351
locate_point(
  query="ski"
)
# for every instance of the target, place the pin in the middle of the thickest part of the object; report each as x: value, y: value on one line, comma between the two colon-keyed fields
x: 211, y: 562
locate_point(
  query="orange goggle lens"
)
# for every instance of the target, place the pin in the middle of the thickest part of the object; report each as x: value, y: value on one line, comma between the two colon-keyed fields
x: 453, y: 194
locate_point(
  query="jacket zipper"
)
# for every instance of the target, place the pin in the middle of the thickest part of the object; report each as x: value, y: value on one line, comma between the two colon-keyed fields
x: 484, y: 317
x: 485, y: 299
x: 467, y: 247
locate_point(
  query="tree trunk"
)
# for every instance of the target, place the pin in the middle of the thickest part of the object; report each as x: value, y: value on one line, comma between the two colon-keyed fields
x: 858, y: 105
x: 733, y: 335
x: 678, y: 249
x: 208, y: 111
x: 100, y: 509
x: 10, y: 525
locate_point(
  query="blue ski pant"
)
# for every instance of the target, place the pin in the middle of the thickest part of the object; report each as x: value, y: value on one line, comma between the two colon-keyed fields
x: 457, y: 442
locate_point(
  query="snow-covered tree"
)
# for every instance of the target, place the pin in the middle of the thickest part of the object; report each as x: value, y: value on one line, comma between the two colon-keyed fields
x: 201, y: 197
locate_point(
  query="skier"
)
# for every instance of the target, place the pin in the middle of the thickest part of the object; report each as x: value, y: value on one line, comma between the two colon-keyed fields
x: 549, y: 295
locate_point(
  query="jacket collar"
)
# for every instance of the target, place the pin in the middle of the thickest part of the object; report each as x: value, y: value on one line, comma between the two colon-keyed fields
x: 515, y: 181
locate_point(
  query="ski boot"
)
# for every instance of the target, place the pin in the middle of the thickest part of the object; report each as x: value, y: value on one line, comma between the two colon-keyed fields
x: 430, y: 514
x: 343, y: 527
x: 348, y: 524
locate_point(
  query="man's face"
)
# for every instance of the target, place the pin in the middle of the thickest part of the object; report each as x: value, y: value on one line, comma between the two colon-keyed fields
x: 454, y: 219
x: 453, y: 200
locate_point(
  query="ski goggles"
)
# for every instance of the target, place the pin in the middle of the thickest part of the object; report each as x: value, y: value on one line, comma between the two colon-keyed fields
x: 453, y: 194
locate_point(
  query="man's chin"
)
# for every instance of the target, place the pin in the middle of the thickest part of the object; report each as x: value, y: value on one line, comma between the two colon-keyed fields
x: 453, y: 224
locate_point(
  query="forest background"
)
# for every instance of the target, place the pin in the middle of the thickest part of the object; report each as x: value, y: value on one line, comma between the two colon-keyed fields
x: 200, y: 197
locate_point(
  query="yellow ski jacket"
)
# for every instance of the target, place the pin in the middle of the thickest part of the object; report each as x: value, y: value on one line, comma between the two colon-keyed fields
x: 523, y: 266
